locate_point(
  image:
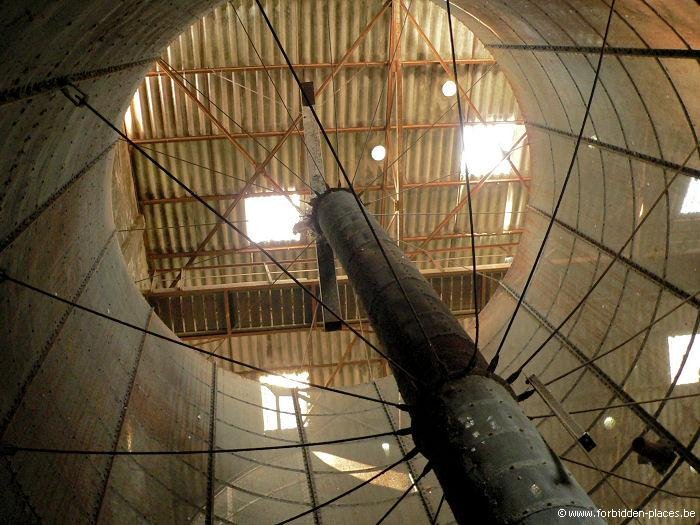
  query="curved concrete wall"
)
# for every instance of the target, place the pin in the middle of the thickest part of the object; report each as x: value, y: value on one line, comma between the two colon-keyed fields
x: 75, y: 381
x: 650, y: 108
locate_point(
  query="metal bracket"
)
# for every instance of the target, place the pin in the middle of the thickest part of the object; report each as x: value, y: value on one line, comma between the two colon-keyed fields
x: 74, y: 94
x: 584, y: 438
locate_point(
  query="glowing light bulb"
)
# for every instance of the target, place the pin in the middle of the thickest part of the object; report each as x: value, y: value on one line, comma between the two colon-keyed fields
x: 378, y: 152
x: 449, y: 89
x: 609, y: 422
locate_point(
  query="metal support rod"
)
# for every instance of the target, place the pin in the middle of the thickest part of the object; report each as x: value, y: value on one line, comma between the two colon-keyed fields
x: 569, y: 423
x: 492, y: 463
x: 658, y: 280
x: 315, y: 173
x: 402, y: 450
x: 614, y: 387
x: 120, y: 422
x: 625, y: 51
x: 211, y: 465
x: 636, y: 155
x: 305, y: 456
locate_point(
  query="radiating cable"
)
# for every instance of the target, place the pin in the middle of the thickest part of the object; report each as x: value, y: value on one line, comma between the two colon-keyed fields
x: 629, y: 480
x: 460, y: 135
x: 623, y: 343
x: 511, y: 378
x: 11, y: 449
x: 319, y: 169
x: 229, y: 117
x: 494, y: 361
x: 6, y: 277
x: 439, y: 508
x: 413, y: 484
x: 618, y: 405
x: 407, y: 457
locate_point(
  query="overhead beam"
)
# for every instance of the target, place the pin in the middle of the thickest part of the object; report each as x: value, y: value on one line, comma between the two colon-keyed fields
x: 253, y: 249
x: 316, y: 65
x: 628, y: 51
x: 260, y: 285
x: 636, y: 155
x: 297, y: 131
x: 306, y: 191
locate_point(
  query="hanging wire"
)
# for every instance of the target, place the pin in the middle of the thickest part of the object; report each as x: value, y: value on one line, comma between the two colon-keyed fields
x: 511, y: 378
x: 289, y: 266
x: 335, y: 105
x: 407, y: 457
x: 439, y: 508
x: 475, y: 289
x: 410, y: 146
x: 618, y: 405
x: 629, y: 480
x: 494, y: 361
x: 11, y: 449
x: 5, y: 277
x: 352, y: 190
x: 623, y: 343
x: 427, y: 469
x: 202, y: 166
x: 443, y: 177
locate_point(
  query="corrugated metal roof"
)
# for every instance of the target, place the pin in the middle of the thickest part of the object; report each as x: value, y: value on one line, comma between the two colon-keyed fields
x: 166, y: 121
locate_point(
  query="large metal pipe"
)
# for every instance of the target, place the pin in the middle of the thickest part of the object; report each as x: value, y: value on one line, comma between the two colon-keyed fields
x: 492, y: 463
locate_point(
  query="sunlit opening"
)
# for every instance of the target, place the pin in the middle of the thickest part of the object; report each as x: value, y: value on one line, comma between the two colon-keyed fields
x: 486, y: 146
x: 691, y: 202
x: 362, y: 471
x: 271, y: 218
x: 278, y: 412
x: 677, y: 347
x: 133, y: 118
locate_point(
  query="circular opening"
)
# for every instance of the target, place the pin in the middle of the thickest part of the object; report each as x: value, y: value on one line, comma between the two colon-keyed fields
x: 248, y: 156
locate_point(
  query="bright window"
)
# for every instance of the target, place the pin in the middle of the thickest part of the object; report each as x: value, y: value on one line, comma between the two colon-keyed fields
x: 485, y: 145
x: 677, y: 347
x: 271, y: 218
x: 691, y: 202
x: 278, y: 412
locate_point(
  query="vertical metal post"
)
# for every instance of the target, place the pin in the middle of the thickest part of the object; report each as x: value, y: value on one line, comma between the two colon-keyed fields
x: 426, y: 504
x: 493, y: 465
x: 209, y: 517
x: 328, y: 283
x: 305, y: 456
x: 122, y: 418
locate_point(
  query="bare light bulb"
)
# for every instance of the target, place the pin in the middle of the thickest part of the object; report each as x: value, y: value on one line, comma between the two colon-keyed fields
x: 449, y: 89
x: 378, y: 152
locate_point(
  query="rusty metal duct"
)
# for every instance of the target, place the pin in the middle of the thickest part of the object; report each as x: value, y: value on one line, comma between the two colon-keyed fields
x: 492, y: 463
